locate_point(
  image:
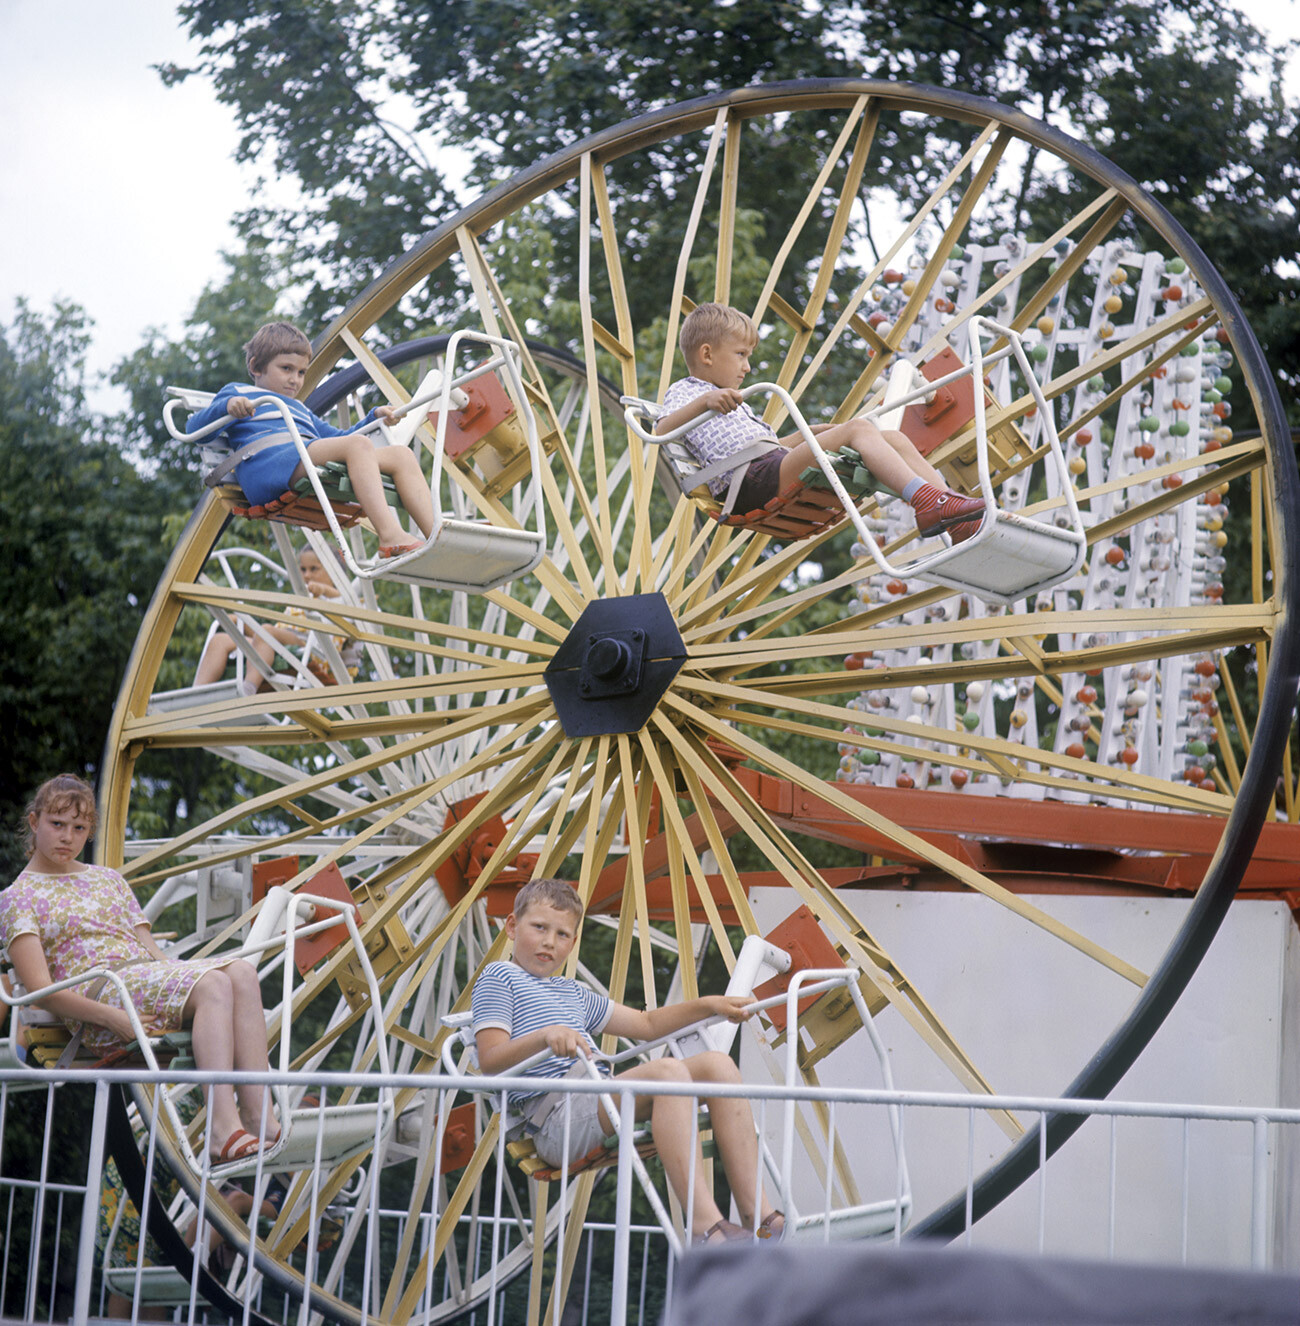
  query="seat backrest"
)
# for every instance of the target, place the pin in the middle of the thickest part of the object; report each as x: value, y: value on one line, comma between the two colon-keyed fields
x: 677, y: 457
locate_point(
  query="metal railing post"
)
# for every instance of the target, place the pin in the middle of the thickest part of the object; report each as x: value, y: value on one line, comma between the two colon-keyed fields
x: 90, y: 1210
x: 623, y: 1209
x: 1259, y: 1196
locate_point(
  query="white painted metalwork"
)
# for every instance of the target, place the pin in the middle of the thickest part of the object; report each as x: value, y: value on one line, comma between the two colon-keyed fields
x: 458, y: 554
x: 28, y: 1243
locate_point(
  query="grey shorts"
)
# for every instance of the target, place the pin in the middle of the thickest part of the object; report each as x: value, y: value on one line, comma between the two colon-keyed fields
x: 585, y: 1132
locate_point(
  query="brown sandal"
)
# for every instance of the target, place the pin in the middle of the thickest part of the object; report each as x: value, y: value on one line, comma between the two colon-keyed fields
x: 765, y: 1230
x: 727, y: 1232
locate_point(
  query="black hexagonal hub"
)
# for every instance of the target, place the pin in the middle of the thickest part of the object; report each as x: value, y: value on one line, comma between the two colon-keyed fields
x: 615, y: 665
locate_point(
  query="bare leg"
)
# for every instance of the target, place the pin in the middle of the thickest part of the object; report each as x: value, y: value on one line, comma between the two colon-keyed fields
x: 412, y: 487
x: 220, y: 1018
x: 248, y: 1023
x: 208, y: 1013
x: 895, y: 462
x: 215, y: 657
x: 119, y: 1308
x: 366, y: 464
x: 916, y: 462
x: 882, y: 459
x: 221, y: 648
x: 733, y: 1130
x: 672, y: 1121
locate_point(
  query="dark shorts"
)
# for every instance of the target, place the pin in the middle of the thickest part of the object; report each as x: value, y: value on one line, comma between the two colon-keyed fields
x: 761, y: 483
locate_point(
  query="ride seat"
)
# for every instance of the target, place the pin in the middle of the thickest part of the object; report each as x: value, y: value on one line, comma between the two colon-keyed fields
x: 475, y: 556
x: 801, y: 509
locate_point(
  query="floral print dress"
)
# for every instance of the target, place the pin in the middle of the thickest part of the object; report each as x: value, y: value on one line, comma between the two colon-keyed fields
x: 87, y: 919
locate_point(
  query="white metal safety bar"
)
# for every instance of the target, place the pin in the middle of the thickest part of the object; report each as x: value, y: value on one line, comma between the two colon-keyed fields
x: 24, y: 1245
x: 462, y: 542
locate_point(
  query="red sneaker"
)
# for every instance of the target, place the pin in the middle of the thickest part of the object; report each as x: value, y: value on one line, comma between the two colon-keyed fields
x: 937, y: 511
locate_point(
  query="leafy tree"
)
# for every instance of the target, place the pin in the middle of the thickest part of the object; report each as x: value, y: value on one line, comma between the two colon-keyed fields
x: 319, y: 88
x: 81, y: 542
x: 208, y: 354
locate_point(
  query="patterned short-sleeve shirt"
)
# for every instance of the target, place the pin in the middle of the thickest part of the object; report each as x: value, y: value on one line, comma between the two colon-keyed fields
x: 722, y: 436
x: 508, y: 997
x: 86, y: 919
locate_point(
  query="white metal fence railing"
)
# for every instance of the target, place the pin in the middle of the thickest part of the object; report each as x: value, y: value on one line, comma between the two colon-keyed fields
x: 54, y: 1145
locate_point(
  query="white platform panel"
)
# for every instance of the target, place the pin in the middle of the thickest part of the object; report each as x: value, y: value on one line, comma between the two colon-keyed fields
x: 1031, y: 1011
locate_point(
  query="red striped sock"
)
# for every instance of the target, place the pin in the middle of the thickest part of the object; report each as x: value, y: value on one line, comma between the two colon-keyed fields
x: 926, y: 497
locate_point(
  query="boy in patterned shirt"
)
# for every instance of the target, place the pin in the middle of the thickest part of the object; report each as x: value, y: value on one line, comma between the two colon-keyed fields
x: 523, y: 1007
x: 717, y: 341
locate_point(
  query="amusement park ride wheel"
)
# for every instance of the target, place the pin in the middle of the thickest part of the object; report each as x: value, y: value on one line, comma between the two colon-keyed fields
x: 624, y: 714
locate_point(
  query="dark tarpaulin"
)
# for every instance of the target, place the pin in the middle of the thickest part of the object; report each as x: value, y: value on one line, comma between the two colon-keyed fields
x: 847, y: 1285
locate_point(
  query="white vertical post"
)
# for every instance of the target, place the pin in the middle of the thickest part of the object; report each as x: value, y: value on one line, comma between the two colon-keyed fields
x: 623, y: 1208
x: 90, y: 1210
x: 1259, y: 1198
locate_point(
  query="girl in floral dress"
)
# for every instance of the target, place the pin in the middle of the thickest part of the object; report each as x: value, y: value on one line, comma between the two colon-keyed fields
x: 62, y: 917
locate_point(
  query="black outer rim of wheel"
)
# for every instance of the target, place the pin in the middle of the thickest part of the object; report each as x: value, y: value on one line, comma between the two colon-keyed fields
x: 354, y: 376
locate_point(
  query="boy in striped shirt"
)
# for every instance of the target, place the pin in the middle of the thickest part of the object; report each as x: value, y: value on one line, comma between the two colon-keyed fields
x: 523, y: 1006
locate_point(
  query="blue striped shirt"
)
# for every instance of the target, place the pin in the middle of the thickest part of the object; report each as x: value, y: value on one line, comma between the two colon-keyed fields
x: 508, y: 997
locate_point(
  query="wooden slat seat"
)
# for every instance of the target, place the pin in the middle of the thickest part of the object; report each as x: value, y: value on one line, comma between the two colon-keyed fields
x: 807, y: 506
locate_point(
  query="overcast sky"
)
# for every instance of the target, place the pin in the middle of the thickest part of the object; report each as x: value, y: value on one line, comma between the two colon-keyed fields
x: 95, y: 152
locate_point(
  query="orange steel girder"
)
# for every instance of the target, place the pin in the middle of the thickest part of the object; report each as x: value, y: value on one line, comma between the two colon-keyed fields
x: 1060, y: 848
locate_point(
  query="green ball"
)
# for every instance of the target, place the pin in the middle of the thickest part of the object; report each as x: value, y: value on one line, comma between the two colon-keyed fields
x: 1149, y: 424
x: 1180, y: 428
x: 1196, y: 748
x: 1097, y: 383
x: 970, y: 721
x: 1223, y: 384
x: 1175, y: 265
x: 957, y: 252
x: 1188, y: 351
x: 1038, y: 353
x: 870, y: 757
x: 1214, y: 397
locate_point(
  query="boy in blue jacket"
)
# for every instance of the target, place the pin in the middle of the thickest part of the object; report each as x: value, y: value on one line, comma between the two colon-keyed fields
x: 278, y: 355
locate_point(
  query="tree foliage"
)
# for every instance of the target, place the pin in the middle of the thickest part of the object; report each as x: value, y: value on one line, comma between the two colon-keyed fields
x: 81, y: 540
x: 208, y: 354
x: 1184, y: 94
